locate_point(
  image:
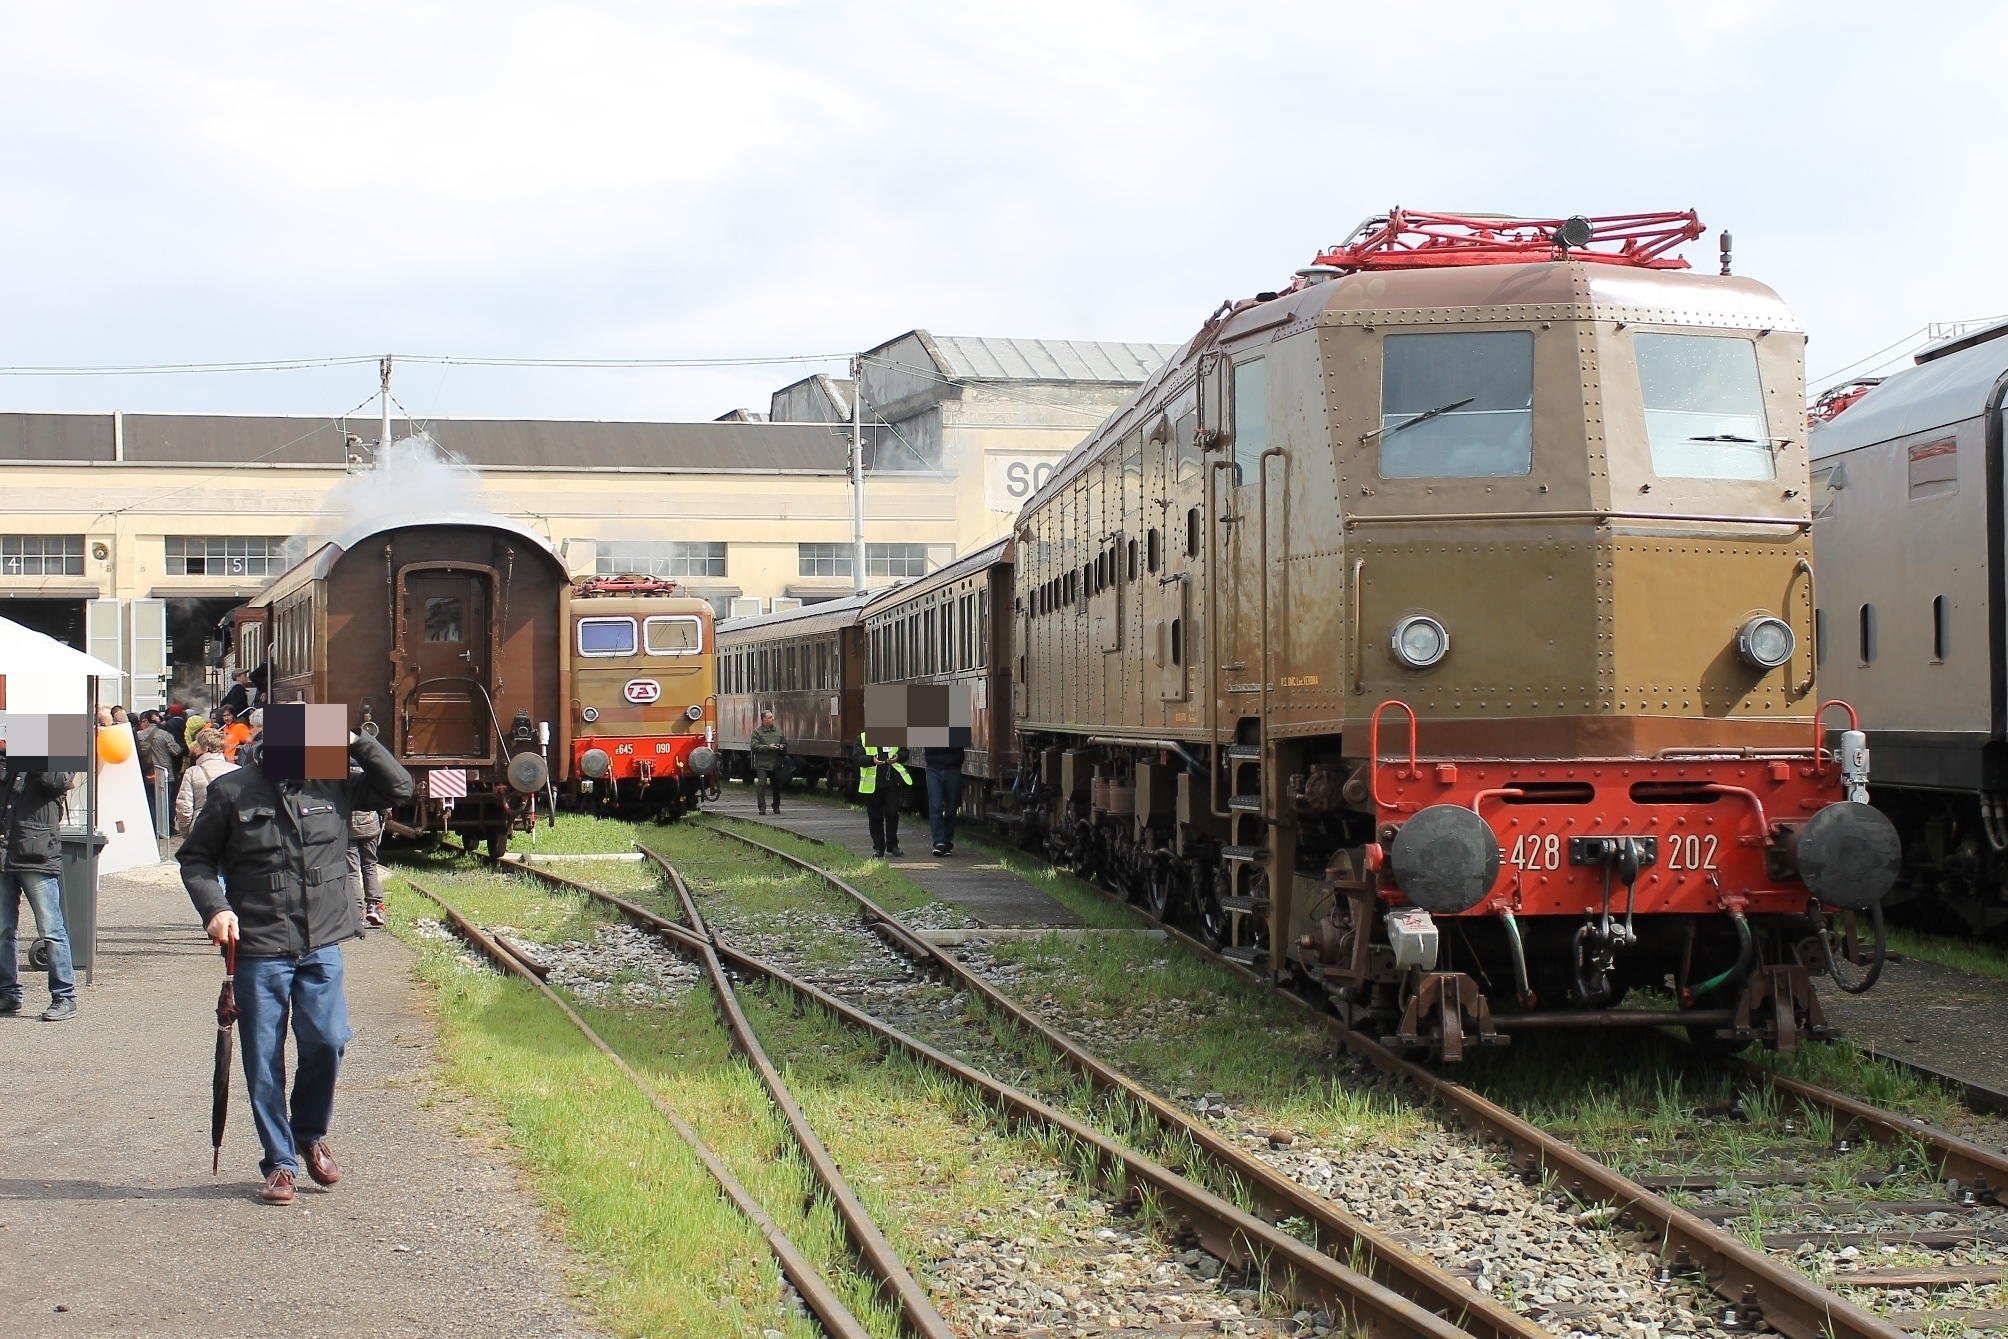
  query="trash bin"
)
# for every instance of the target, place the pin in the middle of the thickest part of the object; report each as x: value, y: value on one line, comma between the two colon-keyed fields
x: 80, y: 895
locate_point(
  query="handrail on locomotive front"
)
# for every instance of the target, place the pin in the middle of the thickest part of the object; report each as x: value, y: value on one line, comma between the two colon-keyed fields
x: 1374, y: 753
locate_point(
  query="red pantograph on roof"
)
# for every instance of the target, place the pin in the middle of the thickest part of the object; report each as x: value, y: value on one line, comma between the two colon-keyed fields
x: 587, y: 587
x: 1413, y: 240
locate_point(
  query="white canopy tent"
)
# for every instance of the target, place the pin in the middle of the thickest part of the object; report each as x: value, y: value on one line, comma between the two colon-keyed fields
x: 25, y: 651
x: 49, y: 678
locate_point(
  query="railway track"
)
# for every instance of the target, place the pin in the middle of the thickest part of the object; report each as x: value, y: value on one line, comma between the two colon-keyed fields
x: 815, y: 1291
x: 1380, y: 1289
x: 1757, y: 1291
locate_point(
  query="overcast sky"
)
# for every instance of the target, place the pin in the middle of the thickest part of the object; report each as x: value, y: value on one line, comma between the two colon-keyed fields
x: 200, y: 183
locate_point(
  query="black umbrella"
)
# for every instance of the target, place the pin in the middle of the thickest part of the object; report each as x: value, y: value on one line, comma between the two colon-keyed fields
x: 226, y: 1038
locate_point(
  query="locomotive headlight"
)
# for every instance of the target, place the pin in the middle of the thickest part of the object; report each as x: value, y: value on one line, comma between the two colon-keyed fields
x: 589, y: 715
x: 693, y: 712
x: 1420, y: 641
x: 1765, y: 642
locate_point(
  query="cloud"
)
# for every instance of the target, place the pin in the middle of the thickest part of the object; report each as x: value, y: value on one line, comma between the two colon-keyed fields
x: 611, y: 180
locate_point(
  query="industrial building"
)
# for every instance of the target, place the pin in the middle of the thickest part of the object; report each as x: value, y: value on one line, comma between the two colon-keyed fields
x: 133, y: 535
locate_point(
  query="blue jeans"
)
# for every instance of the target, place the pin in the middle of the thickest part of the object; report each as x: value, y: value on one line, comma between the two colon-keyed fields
x: 944, y: 798
x: 312, y: 988
x: 45, y: 899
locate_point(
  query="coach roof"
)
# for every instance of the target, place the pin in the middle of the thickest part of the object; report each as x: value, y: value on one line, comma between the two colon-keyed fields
x: 1945, y: 388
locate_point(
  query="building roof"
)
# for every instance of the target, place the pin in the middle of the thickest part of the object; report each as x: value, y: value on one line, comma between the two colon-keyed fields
x: 983, y: 358
x: 248, y: 439
x: 1951, y: 385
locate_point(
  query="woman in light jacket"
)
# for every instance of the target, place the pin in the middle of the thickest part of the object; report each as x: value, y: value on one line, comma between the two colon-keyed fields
x: 208, y: 765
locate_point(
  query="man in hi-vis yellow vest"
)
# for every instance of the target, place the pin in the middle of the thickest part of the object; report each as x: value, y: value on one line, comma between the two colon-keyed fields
x: 882, y: 781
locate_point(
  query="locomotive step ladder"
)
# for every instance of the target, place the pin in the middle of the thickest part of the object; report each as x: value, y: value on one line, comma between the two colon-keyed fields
x: 1246, y: 854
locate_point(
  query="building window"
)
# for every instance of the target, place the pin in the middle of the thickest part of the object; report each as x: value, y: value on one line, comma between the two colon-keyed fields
x: 823, y: 560
x: 41, y: 555
x: 895, y: 560
x: 659, y: 558
x: 225, y: 556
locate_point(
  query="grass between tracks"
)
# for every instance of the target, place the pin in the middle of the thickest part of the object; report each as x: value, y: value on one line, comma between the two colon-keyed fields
x: 661, y: 1251
x: 1151, y: 1008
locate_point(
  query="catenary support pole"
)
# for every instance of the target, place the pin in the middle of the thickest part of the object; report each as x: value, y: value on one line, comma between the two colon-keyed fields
x: 858, y: 473
x: 383, y: 435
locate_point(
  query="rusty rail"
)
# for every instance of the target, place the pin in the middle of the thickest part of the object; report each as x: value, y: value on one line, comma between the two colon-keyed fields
x: 872, y: 1247
x: 1790, y: 1302
x: 1389, y: 1265
x: 815, y: 1291
x: 1363, y: 1293
x: 1958, y: 1159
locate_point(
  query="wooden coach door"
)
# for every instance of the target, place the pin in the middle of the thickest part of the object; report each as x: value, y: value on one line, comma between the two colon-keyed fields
x: 444, y: 651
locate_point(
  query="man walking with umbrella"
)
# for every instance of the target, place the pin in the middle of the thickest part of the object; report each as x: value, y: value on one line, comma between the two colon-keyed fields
x: 282, y: 905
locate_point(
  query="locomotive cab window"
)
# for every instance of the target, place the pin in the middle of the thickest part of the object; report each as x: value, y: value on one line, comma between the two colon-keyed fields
x: 1704, y: 407
x: 1251, y: 418
x: 606, y: 637
x: 673, y: 636
x: 1457, y: 406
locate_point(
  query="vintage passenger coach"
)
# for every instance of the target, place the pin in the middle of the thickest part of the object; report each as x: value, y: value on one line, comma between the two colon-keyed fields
x: 441, y: 637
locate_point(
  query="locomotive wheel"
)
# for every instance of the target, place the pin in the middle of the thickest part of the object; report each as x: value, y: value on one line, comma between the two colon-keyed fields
x: 1164, y: 889
x: 497, y: 841
x: 1215, y: 924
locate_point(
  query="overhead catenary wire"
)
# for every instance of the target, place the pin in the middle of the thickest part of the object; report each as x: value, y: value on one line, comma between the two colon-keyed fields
x: 446, y: 360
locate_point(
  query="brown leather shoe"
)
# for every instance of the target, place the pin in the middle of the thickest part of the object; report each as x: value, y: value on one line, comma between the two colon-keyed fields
x: 278, y: 1188
x: 320, y: 1163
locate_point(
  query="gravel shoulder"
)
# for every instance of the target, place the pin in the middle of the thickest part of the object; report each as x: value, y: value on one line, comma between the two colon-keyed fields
x: 110, y: 1222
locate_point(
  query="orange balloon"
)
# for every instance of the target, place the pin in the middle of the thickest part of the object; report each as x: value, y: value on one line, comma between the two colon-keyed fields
x: 114, y: 743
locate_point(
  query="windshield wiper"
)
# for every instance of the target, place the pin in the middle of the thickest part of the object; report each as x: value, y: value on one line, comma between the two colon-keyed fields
x: 1424, y: 417
x: 1727, y: 437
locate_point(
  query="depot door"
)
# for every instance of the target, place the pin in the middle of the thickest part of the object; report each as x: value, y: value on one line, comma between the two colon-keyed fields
x: 444, y: 676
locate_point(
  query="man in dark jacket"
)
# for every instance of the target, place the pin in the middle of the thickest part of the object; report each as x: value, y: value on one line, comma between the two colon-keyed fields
x: 158, y: 752
x: 238, y: 699
x: 31, y: 809
x: 282, y: 849
x: 769, y: 748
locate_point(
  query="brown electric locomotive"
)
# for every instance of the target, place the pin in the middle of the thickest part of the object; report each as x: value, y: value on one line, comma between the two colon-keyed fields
x: 1437, y: 630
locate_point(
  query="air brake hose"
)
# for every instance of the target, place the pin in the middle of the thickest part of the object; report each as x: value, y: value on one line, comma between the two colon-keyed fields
x: 1875, y: 964
x: 1741, y: 967
x: 1525, y: 991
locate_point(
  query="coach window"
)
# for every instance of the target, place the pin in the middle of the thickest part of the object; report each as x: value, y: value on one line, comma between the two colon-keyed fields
x: 1151, y: 545
x: 1704, y: 407
x: 1251, y: 418
x: 1192, y: 533
x: 672, y: 636
x: 597, y: 636
x: 1457, y: 406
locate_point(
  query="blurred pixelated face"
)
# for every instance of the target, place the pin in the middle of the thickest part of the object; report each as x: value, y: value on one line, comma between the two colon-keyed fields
x: 766, y: 718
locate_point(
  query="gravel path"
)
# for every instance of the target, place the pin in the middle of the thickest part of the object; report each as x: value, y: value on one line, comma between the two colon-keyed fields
x: 111, y: 1224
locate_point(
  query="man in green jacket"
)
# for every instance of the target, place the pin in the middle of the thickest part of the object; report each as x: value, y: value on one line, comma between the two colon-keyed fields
x: 768, y: 747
